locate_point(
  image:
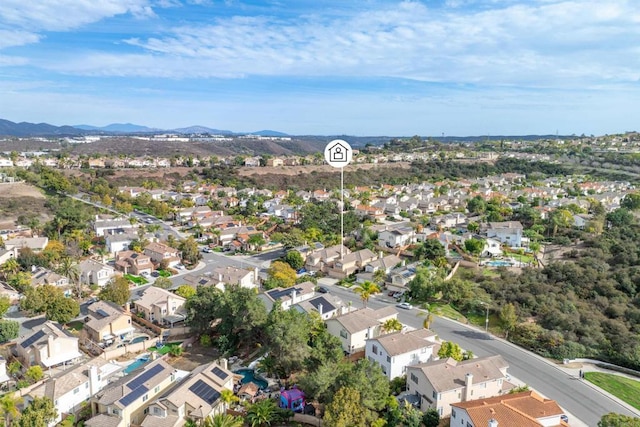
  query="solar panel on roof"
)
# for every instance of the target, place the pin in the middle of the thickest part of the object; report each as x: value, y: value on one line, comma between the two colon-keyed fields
x: 203, y: 281
x: 33, y: 338
x: 102, y: 313
x: 145, y: 376
x: 204, y: 391
x: 219, y: 373
x: 133, y: 396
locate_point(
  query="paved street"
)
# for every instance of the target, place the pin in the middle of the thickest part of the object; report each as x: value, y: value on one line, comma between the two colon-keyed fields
x: 574, y: 395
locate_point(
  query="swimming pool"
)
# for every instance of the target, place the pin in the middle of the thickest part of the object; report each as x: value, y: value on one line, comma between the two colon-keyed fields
x: 499, y: 263
x: 136, y: 364
x: 139, y: 339
x: 249, y: 375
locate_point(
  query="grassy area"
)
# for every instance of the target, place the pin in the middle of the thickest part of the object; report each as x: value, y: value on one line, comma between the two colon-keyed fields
x: 165, y: 348
x: 447, y: 311
x: 621, y: 387
x: 75, y: 326
x: 479, y: 319
x: 136, y: 279
x: 525, y: 259
x: 163, y: 273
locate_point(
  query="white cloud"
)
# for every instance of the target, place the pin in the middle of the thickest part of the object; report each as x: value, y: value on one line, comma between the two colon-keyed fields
x: 62, y: 15
x: 549, y: 43
x: 10, y: 38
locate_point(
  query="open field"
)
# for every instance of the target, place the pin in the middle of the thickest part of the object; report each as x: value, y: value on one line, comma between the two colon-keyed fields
x: 18, y: 199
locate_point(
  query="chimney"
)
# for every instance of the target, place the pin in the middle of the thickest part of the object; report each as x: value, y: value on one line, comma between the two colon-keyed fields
x: 294, y: 294
x: 224, y: 364
x: 94, y: 384
x: 380, y: 255
x: 127, y: 307
x: 320, y: 309
x: 493, y: 422
x: 468, y: 384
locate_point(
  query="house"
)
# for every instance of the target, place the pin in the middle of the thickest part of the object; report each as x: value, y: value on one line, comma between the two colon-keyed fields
x: 287, y: 297
x: 327, y: 306
x: 159, y: 253
x: 49, y: 345
x: 102, y: 225
x: 125, y: 402
x: 324, y: 258
x: 3, y: 371
x: 351, y: 263
x: 70, y: 389
x: 492, y: 248
x: 275, y: 162
x: 508, y: 232
x: 106, y: 321
x: 159, y: 305
x: 132, y: 262
x: 36, y: 244
x: 119, y: 240
x: 374, y: 212
x: 449, y: 220
x: 395, y: 351
x: 43, y: 276
x: 9, y: 292
x: 446, y: 381
x: 95, y: 273
x: 400, y: 277
x: 354, y: 328
x: 229, y: 275
x: 196, y: 397
x: 396, y: 237
x: 7, y: 254
x: 581, y: 221
x: 526, y: 409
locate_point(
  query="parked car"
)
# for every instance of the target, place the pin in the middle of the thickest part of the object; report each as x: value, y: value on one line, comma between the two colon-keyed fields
x: 405, y: 305
x: 207, y: 250
x: 323, y: 290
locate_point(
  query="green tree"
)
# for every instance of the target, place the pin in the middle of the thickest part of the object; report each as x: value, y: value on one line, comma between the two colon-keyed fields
x: 428, y: 318
x: 280, y: 274
x: 429, y: 249
x: 425, y: 285
x: 631, y: 201
x: 50, y: 300
x: 5, y: 303
x: 410, y: 416
x: 228, y: 398
x: 261, y: 413
x: 9, y: 404
x: 452, y: 350
x: 391, y: 325
x: 9, y: 329
x: 431, y: 418
x: 69, y: 268
x: 39, y: 413
x: 474, y: 246
x: 116, y: 291
x: 345, y: 409
x: 379, y: 277
x: 287, y: 337
x: 618, y: 420
x: 190, y: 252
x: 294, y: 259
x: 11, y: 266
x: 185, y: 291
x: 163, y: 283
x: 508, y: 318
x: 34, y: 373
x: 223, y: 420
x: 366, y: 290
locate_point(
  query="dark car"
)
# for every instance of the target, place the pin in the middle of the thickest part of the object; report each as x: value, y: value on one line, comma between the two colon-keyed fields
x: 323, y: 290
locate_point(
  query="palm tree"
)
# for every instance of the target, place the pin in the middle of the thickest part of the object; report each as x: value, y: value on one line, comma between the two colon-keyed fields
x: 69, y: 268
x: 379, y: 276
x: 9, y: 407
x: 261, y: 413
x: 228, y: 398
x: 11, y: 266
x: 365, y: 290
x: 392, y: 325
x: 428, y: 318
x: 222, y: 420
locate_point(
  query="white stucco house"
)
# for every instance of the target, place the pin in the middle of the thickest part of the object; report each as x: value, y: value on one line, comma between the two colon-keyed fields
x: 354, y: 328
x: 394, y: 352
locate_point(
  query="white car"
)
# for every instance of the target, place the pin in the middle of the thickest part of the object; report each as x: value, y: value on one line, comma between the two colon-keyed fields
x: 405, y: 305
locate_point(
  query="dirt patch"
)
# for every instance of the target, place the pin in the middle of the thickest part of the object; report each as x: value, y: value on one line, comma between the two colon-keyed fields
x: 20, y: 189
x: 20, y: 199
x: 194, y: 356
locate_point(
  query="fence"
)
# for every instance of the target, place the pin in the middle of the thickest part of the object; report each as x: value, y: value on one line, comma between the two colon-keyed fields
x: 110, y: 354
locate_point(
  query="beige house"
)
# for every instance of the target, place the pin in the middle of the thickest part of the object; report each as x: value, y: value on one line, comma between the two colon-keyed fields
x: 196, y: 397
x: 49, y: 345
x: 93, y: 272
x: 351, y: 263
x: 159, y: 305
x: 132, y: 262
x: 441, y: 383
x: 106, y: 321
x: 36, y: 244
x: 159, y: 252
x: 235, y: 276
x: 124, y: 403
x: 526, y: 409
x: 354, y: 328
x: 324, y: 258
x: 287, y: 297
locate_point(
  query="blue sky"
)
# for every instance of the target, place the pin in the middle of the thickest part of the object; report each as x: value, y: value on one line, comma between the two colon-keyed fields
x: 356, y: 67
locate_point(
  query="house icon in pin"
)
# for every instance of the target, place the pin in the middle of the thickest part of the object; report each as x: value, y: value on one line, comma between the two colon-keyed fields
x: 338, y: 153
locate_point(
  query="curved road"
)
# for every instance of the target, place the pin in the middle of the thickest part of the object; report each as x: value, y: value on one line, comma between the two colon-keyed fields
x: 575, y: 396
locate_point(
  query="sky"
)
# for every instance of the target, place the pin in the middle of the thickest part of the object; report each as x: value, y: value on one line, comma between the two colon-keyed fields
x: 325, y: 67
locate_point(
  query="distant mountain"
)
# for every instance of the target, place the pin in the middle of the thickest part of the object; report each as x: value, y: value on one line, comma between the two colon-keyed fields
x: 118, y: 127
x: 32, y: 129
x: 202, y: 129
x: 269, y: 133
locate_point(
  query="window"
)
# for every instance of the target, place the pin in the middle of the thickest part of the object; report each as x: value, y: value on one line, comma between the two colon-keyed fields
x: 157, y: 389
x: 453, y: 413
x: 145, y: 397
x: 440, y: 410
x: 375, y: 349
x: 389, y: 359
x: 414, y: 378
x: 115, y: 411
x: 86, y: 385
x: 76, y: 391
x: 404, y: 369
x: 424, y: 350
x: 343, y: 333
